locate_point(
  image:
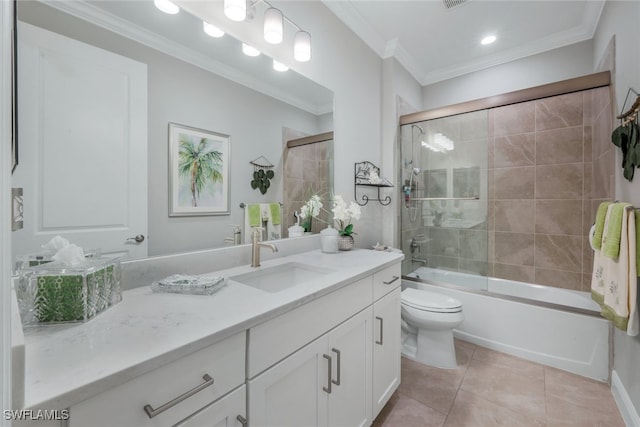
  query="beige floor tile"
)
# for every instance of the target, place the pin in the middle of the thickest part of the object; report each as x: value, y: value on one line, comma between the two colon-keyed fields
x: 433, y: 387
x: 578, y: 390
x: 561, y: 413
x: 506, y: 388
x: 471, y: 410
x: 402, y: 411
x: 464, y: 352
x: 506, y: 361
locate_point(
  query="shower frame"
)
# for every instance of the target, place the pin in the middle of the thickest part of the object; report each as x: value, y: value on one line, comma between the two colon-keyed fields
x: 592, y: 81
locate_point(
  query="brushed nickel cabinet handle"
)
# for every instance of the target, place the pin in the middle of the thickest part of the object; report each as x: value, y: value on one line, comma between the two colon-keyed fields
x: 328, y: 388
x: 337, y: 352
x: 208, y: 381
x: 242, y: 420
x: 381, y: 326
x: 392, y: 280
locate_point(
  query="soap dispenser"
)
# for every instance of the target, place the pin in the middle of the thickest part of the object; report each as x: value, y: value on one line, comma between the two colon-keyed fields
x: 329, y: 240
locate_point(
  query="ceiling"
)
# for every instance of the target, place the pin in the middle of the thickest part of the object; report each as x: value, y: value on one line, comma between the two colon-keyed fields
x: 436, y: 43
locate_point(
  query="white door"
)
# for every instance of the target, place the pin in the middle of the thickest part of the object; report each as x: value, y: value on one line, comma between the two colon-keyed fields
x: 83, y: 145
x: 293, y: 392
x: 350, y: 347
x: 386, y: 348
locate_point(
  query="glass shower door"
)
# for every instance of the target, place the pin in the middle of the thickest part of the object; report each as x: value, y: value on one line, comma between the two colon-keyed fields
x: 444, y: 209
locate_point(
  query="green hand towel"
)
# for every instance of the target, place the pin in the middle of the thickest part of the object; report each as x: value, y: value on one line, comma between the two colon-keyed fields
x: 597, y: 236
x: 275, y: 213
x: 255, y: 216
x: 614, y: 231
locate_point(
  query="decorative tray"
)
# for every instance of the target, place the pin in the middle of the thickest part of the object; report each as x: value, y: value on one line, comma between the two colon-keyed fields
x: 187, y: 284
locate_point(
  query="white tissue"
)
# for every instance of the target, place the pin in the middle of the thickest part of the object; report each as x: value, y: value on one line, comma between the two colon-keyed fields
x: 56, y: 244
x: 70, y: 255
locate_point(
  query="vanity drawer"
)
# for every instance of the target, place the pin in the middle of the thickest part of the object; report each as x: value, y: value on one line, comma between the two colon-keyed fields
x: 386, y: 280
x: 277, y: 338
x: 124, y: 405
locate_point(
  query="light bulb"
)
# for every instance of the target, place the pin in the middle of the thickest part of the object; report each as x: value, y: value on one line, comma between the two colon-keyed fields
x: 166, y: 6
x: 236, y: 10
x: 212, y: 30
x: 488, y: 40
x: 273, y: 25
x: 279, y: 66
x: 302, y: 46
x: 249, y: 50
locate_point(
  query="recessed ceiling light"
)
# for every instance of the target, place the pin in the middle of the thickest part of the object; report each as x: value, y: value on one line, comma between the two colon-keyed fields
x: 166, y: 6
x: 488, y: 40
x: 279, y: 66
x: 250, y: 50
x: 212, y: 30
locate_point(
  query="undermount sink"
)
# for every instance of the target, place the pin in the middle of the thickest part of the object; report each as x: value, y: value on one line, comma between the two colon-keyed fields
x: 280, y: 277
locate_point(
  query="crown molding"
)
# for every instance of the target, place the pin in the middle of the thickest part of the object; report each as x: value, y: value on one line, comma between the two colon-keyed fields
x: 348, y: 14
x: 99, y: 17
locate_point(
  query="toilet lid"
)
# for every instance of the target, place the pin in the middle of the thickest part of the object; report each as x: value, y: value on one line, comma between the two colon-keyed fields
x: 430, y: 301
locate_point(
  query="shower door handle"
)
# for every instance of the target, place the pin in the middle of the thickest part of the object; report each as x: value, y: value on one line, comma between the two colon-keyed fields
x: 379, y: 342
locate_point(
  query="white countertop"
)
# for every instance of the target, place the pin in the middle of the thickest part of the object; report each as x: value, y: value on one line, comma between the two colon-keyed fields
x: 66, y: 364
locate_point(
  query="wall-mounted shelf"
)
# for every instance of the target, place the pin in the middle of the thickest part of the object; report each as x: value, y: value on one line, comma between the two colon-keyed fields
x: 368, y: 175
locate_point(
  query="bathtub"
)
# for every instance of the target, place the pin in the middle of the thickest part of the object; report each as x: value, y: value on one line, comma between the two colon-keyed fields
x: 554, y: 327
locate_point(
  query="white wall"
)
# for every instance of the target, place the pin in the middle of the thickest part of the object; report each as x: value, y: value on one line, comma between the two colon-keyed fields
x: 620, y: 19
x: 184, y: 94
x: 559, y: 64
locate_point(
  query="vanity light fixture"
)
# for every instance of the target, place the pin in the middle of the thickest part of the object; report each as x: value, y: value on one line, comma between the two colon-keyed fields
x: 273, y: 26
x: 236, y: 10
x: 250, y: 50
x: 166, y: 6
x: 302, y: 46
x: 279, y: 66
x: 488, y: 40
x: 212, y: 30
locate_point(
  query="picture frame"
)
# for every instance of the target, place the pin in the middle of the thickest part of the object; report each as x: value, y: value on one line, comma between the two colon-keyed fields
x: 199, y: 164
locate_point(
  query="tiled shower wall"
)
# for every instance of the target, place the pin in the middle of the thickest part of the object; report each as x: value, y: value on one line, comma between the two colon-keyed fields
x: 307, y: 171
x: 550, y: 165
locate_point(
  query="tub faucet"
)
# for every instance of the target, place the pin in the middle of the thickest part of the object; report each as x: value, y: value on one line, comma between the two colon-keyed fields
x: 255, y: 247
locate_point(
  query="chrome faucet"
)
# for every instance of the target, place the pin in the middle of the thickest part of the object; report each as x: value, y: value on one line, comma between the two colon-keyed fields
x: 255, y: 247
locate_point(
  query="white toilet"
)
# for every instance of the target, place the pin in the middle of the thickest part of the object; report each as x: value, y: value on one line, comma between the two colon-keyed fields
x: 428, y: 319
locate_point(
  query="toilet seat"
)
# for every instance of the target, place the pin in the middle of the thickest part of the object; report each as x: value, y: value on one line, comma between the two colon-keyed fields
x: 430, y: 301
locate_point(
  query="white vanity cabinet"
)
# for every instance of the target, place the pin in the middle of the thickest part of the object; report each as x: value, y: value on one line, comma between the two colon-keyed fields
x: 174, y: 392
x: 386, y: 335
x: 325, y: 383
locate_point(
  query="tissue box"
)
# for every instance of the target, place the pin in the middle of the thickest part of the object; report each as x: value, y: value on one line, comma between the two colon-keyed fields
x: 45, y: 257
x: 56, y: 293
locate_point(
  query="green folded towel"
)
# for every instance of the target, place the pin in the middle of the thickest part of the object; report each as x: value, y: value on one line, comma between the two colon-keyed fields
x: 255, y: 215
x: 275, y: 213
x: 614, y: 231
x: 602, y: 213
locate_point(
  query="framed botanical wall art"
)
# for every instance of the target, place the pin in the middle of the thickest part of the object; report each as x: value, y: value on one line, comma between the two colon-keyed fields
x: 199, y: 163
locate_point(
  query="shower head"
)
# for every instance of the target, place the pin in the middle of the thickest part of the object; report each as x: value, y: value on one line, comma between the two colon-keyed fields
x: 415, y: 171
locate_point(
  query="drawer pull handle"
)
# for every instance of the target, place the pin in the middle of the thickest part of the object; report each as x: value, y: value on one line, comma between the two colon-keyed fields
x: 381, y: 327
x: 208, y: 381
x: 337, y: 352
x: 242, y: 420
x: 392, y: 280
x: 328, y: 388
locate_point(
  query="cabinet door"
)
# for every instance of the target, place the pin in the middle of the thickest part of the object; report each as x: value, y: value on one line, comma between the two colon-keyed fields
x: 292, y: 393
x: 350, y: 347
x: 230, y: 411
x: 386, y: 349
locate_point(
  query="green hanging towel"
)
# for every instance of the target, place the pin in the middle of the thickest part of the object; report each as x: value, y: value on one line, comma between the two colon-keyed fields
x: 602, y: 213
x: 614, y: 231
x: 275, y: 213
x: 255, y: 215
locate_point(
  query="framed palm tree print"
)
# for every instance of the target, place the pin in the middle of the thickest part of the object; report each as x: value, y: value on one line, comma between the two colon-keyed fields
x: 198, y: 172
